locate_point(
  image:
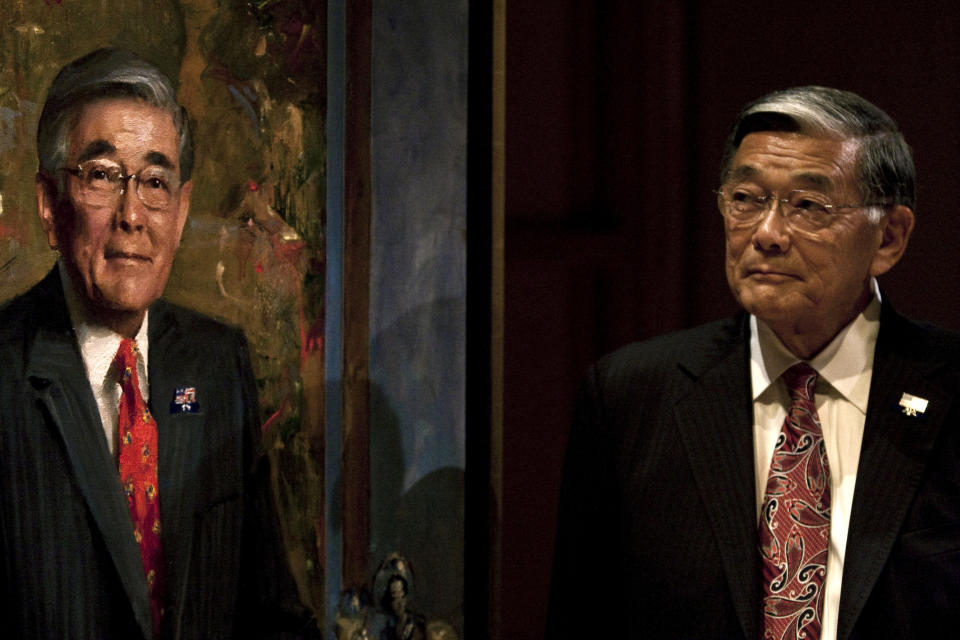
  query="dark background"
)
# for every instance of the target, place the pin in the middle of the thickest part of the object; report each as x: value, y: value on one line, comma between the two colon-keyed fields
x: 615, y: 117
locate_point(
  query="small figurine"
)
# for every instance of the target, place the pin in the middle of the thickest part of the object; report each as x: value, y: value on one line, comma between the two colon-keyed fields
x: 394, y: 586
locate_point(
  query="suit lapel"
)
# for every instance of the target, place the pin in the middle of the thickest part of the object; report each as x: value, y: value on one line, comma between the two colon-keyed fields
x: 56, y: 372
x: 179, y: 438
x: 715, y: 421
x: 893, y: 456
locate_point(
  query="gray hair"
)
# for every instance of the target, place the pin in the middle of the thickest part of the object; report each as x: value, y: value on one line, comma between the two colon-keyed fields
x: 884, y: 164
x: 105, y: 73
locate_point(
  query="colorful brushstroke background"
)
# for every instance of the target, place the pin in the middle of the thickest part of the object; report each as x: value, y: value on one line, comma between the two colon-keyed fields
x: 252, y: 76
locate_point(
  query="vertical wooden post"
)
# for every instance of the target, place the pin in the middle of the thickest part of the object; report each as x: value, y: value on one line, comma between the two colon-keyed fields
x: 484, y: 320
x: 356, y: 298
x: 497, y: 159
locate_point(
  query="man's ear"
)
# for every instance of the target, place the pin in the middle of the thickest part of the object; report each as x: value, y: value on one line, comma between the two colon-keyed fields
x: 895, y: 230
x: 46, y: 203
x: 184, y: 207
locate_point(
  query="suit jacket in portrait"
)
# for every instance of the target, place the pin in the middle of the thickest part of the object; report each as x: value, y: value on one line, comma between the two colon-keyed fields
x: 70, y: 567
x: 658, y: 531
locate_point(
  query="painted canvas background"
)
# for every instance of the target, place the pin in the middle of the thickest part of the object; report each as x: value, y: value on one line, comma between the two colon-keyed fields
x: 252, y: 76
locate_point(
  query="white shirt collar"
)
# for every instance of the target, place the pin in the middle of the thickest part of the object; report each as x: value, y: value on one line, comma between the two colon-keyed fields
x: 841, y: 363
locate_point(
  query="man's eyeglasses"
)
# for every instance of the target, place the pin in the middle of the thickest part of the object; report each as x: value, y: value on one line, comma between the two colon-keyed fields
x: 807, y: 211
x: 103, y: 183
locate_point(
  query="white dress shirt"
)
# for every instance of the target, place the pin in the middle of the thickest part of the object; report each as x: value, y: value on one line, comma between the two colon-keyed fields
x: 845, y: 367
x: 98, y: 347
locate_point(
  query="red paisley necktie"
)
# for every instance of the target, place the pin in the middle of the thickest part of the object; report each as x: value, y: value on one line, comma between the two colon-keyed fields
x: 795, y: 518
x: 138, y: 473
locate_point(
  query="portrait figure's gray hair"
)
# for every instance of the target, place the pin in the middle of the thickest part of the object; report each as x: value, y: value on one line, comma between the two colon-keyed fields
x: 884, y: 164
x: 105, y: 73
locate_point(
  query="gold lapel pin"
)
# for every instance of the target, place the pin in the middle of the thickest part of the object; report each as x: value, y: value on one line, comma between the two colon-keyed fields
x: 913, y: 405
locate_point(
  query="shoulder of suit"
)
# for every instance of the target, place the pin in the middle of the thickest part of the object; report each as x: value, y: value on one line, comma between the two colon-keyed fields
x: 20, y: 318
x: 39, y: 292
x: 647, y: 377
x: 184, y: 340
x: 703, y: 343
x: 191, y: 322
x: 913, y: 333
x: 13, y: 311
x: 917, y: 341
x: 21, y: 315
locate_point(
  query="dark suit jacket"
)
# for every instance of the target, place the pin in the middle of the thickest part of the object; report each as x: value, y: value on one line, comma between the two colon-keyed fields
x: 70, y: 567
x: 658, y: 525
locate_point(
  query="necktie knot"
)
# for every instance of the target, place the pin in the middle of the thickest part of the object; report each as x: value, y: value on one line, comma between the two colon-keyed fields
x: 125, y: 362
x: 800, y: 380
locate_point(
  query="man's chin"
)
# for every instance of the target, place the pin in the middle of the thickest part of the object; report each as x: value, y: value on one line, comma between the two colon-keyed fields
x: 770, y: 308
x: 123, y: 301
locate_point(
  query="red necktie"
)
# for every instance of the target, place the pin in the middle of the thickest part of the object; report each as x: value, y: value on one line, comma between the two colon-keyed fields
x: 795, y: 518
x: 138, y: 473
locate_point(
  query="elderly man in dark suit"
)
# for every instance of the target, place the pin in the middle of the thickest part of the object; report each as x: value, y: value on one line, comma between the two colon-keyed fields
x: 793, y: 472
x: 133, y: 495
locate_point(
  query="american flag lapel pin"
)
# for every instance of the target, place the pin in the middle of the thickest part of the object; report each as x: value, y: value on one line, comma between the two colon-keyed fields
x: 185, y: 400
x: 913, y: 405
